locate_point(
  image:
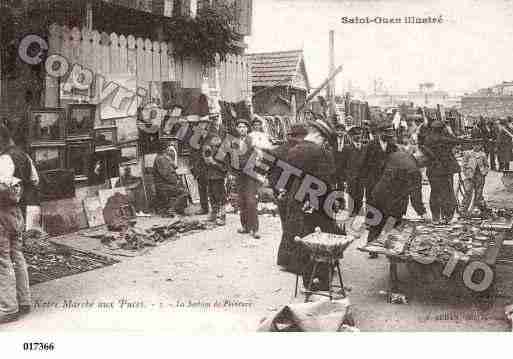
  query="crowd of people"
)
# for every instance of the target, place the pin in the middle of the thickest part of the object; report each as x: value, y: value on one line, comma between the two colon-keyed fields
x: 380, y: 168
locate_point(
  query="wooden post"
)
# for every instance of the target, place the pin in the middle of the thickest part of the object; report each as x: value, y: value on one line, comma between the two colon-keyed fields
x: 331, y: 86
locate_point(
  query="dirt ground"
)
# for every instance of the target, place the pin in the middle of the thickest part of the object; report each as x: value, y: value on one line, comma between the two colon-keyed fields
x: 219, y: 281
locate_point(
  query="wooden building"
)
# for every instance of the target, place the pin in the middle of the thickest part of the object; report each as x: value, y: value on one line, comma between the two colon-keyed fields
x: 279, y: 82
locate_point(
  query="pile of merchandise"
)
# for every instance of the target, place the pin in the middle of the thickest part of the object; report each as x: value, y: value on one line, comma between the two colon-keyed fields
x: 47, y: 261
x: 134, y: 238
x: 469, y: 239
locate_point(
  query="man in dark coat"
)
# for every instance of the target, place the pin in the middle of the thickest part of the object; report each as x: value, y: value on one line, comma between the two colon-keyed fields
x: 216, y: 173
x: 296, y: 134
x: 504, y: 145
x: 376, y: 154
x: 199, y: 171
x: 485, y: 131
x: 313, y: 157
x: 400, y: 182
x: 440, y: 172
x: 352, y: 159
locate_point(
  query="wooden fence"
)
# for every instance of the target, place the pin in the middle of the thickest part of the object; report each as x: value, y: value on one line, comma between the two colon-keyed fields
x: 148, y: 61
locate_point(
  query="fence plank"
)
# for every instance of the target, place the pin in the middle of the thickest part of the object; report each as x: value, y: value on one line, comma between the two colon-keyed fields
x: 105, y: 53
x: 156, y: 61
x: 148, y: 60
x: 123, y: 54
x: 140, y: 59
x: 131, y: 55
x: 97, y: 49
x: 164, y: 62
x: 114, y: 53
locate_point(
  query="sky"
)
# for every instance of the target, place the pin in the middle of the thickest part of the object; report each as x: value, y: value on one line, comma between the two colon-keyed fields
x: 471, y: 49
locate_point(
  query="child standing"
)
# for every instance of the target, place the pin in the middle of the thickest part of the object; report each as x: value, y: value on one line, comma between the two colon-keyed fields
x: 474, y: 169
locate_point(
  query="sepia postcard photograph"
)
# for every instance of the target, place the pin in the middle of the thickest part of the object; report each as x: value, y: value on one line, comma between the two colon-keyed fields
x: 335, y: 166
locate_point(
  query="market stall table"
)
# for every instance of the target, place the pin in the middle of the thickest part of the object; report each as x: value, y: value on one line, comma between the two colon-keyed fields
x: 472, y: 242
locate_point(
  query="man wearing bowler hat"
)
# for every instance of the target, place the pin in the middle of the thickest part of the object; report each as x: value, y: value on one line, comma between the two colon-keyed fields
x: 312, y: 156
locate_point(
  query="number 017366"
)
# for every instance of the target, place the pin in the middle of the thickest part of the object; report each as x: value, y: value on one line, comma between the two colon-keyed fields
x: 35, y: 346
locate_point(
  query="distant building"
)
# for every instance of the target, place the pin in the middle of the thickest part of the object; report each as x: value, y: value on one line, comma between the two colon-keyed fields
x: 495, y: 101
x: 279, y: 82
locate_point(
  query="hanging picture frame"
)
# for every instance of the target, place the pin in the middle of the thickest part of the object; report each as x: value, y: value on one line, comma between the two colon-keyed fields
x: 78, y: 156
x: 129, y: 153
x: 80, y: 121
x: 105, y: 138
x: 46, y: 125
x: 48, y: 156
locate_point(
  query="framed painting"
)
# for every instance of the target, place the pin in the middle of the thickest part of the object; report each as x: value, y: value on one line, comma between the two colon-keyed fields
x: 46, y: 125
x: 80, y: 123
x: 78, y: 156
x: 105, y: 138
x: 48, y: 156
x: 129, y: 153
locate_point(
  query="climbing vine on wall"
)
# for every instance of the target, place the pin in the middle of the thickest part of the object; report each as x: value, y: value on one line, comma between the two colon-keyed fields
x: 209, y: 33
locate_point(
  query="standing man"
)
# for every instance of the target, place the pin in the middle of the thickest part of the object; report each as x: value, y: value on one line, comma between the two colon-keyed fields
x: 504, y: 145
x: 375, y: 158
x: 247, y: 187
x: 314, y: 157
x: 16, y: 172
x: 199, y: 171
x: 353, y: 156
x: 440, y: 172
x: 216, y: 174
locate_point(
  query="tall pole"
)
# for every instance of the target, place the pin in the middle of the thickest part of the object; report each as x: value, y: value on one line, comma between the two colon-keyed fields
x: 331, y: 87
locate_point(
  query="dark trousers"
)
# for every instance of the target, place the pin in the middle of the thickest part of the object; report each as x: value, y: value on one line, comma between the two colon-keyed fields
x: 355, y: 190
x: 442, y: 200
x: 216, y: 192
x: 247, y: 190
x: 203, y: 192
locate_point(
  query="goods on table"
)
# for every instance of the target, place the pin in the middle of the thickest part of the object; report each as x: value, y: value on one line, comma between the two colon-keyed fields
x: 427, y: 242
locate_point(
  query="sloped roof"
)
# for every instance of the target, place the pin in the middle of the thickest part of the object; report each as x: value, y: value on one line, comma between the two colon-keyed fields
x: 273, y: 68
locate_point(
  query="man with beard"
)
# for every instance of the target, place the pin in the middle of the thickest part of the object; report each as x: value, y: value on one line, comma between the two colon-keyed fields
x: 314, y: 157
x: 376, y: 154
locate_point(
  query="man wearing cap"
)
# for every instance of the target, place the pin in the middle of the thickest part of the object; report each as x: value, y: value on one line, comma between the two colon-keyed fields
x: 440, y: 172
x: 199, y: 170
x: 247, y: 187
x: 257, y: 125
x: 17, y: 173
x: 314, y: 157
x: 353, y: 156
